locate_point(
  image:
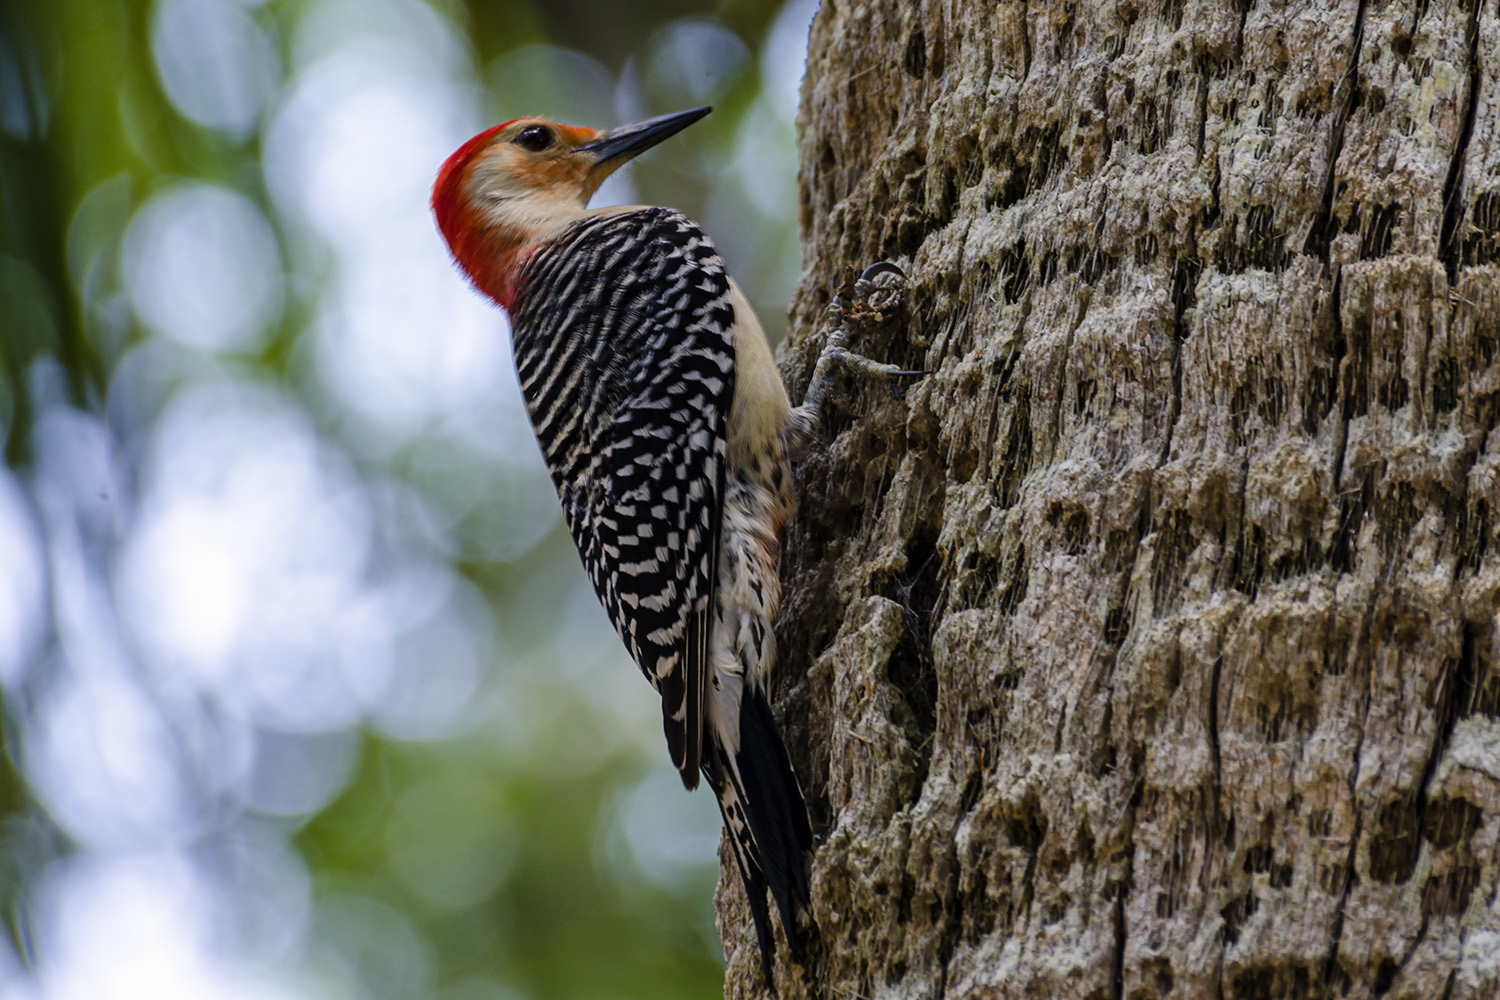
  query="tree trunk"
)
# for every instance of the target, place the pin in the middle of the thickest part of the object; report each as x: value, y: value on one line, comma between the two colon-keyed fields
x: 1149, y: 647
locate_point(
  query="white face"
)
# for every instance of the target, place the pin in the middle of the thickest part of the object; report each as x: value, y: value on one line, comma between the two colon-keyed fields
x: 531, y: 177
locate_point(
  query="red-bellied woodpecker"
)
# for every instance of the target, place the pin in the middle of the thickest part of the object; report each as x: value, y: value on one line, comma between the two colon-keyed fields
x: 669, y: 438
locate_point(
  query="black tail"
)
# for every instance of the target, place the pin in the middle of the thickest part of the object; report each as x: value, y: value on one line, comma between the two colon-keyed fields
x: 771, y: 834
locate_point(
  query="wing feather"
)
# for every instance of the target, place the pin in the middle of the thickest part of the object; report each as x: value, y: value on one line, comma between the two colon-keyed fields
x: 629, y: 378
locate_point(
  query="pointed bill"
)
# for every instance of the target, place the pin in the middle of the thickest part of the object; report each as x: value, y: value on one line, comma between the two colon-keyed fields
x: 620, y: 144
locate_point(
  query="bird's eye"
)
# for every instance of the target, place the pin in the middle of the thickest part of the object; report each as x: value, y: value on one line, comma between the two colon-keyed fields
x: 535, y: 138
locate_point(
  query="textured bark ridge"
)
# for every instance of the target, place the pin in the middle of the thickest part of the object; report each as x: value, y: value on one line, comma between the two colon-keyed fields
x: 1149, y: 648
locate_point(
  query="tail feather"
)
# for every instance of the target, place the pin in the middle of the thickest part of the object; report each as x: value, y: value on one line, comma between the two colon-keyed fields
x: 751, y: 875
x: 778, y: 814
x: 767, y: 820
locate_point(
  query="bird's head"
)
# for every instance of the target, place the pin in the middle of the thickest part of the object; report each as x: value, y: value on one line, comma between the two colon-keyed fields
x: 507, y: 188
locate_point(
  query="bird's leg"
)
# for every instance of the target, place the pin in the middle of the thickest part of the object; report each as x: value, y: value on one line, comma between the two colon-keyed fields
x: 836, y: 357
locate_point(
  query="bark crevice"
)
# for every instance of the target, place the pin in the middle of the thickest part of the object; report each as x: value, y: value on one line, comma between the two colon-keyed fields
x: 1450, y: 243
x: 1320, y: 237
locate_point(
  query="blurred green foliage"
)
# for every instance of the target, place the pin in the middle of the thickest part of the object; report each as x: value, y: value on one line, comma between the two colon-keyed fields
x: 514, y: 833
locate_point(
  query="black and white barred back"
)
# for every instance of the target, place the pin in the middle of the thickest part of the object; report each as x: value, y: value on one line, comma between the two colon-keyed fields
x: 624, y: 342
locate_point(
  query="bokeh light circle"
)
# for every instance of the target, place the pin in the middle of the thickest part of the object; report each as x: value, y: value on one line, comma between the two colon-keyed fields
x: 216, y: 64
x: 202, y: 266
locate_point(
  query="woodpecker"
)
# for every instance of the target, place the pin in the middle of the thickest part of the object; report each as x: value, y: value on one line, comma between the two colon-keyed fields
x: 669, y: 437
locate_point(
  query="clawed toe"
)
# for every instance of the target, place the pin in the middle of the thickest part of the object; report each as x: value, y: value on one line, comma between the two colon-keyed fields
x: 878, y: 268
x: 865, y: 283
x: 851, y: 306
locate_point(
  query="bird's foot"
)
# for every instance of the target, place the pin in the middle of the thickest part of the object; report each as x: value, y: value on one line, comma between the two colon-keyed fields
x: 855, y: 306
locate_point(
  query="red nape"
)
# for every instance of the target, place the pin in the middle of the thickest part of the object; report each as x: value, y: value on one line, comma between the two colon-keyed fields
x: 490, y: 259
x: 486, y: 257
x: 447, y: 203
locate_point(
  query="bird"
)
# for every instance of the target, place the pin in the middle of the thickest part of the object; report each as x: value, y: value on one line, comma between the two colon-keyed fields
x: 669, y: 437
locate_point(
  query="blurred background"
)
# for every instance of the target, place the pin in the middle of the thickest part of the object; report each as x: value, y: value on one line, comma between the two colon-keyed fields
x: 305, y: 693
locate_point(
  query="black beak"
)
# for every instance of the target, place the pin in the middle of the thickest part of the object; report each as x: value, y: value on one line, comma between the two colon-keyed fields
x: 628, y: 140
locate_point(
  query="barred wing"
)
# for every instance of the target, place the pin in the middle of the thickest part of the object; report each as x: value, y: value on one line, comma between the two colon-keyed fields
x: 624, y: 343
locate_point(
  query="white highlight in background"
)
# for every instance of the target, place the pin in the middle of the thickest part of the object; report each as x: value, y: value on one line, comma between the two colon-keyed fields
x: 202, y: 267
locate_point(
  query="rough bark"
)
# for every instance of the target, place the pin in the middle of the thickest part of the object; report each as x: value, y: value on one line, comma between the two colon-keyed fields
x: 1149, y: 647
